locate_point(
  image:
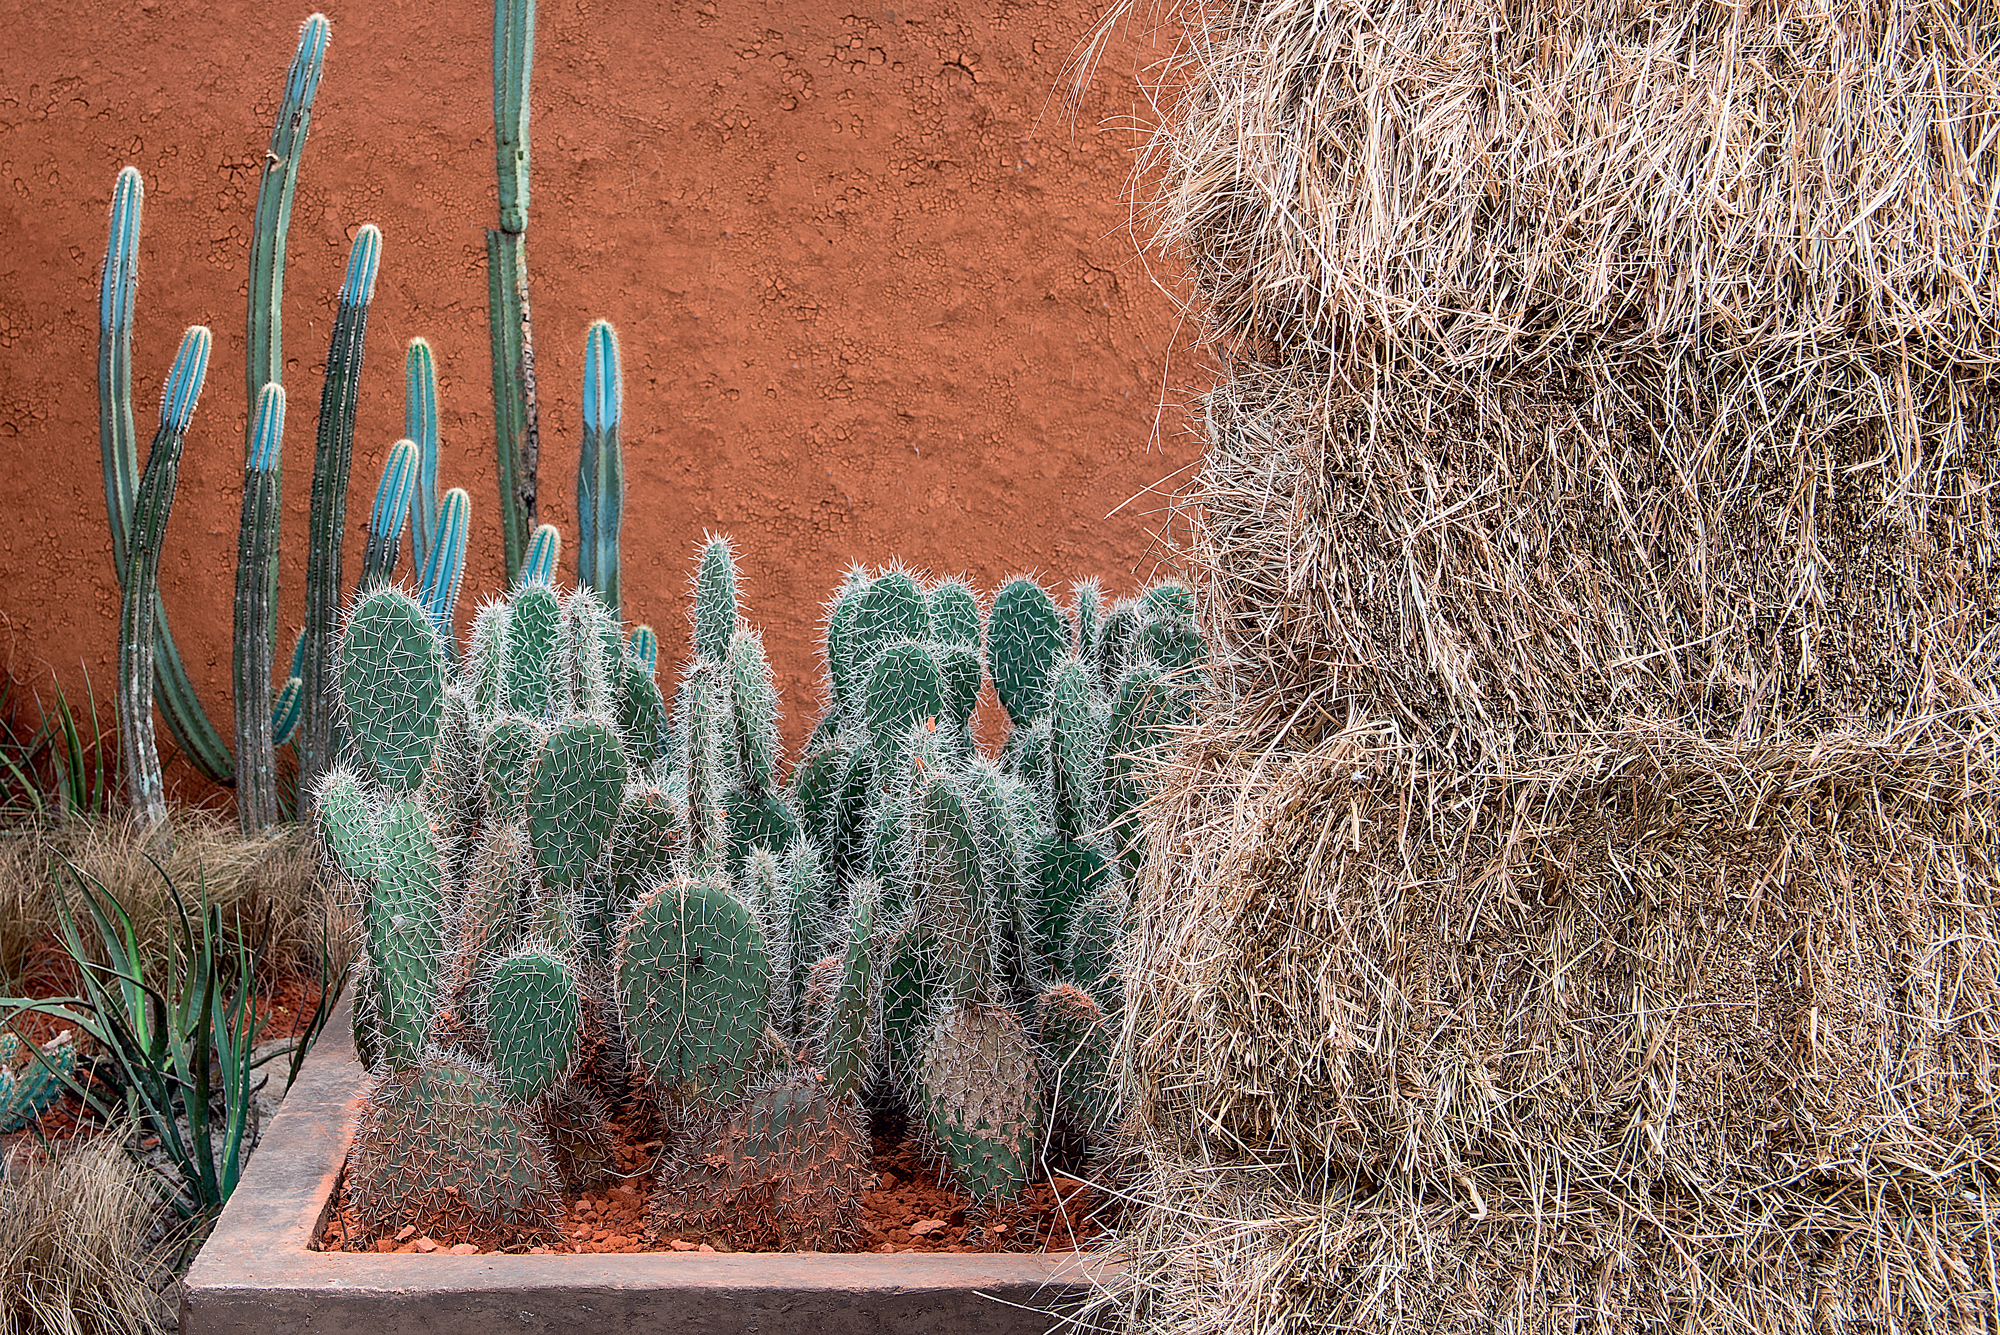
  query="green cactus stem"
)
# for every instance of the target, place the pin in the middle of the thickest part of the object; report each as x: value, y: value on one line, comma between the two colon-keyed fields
x: 954, y: 614
x: 600, y: 466
x: 256, y: 621
x: 179, y: 706
x: 753, y: 712
x: 517, y: 435
x: 1076, y: 1051
x: 405, y: 926
x: 532, y: 1017
x: 645, y: 646
x: 533, y: 682
x: 27, y: 1090
x: 891, y: 609
x: 844, y: 1042
x: 904, y: 689
x: 328, y: 518
x: 152, y: 505
x: 394, y: 496
x: 420, y: 424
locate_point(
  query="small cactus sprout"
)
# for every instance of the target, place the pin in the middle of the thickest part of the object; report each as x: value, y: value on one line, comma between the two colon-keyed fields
x: 693, y: 974
x: 392, y: 667
x: 347, y: 825
x: 979, y: 1098
x: 1076, y: 1050
x: 892, y: 608
x: 1086, y: 615
x: 783, y: 1170
x: 437, y: 1148
x: 1025, y: 637
x: 645, y: 646
x: 844, y: 668
x: 1167, y: 600
x: 531, y: 1023
x: 1076, y: 751
x: 715, y: 607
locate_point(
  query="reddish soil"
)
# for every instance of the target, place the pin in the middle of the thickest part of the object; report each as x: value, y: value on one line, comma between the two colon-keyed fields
x: 877, y: 290
x: 905, y: 1209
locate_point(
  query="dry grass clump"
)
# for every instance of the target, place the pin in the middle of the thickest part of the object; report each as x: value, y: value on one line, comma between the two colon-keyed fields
x: 76, y: 1250
x: 269, y: 877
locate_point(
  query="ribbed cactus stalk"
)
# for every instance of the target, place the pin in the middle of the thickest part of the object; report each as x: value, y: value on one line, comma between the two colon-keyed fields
x: 118, y: 440
x: 256, y: 617
x: 692, y: 975
x: 404, y: 925
x: 532, y: 680
x: 702, y: 722
x: 715, y: 605
x: 333, y: 458
x: 445, y: 569
x: 980, y: 1100
x: 30, y: 1088
x: 843, y: 1040
x: 437, y: 1147
x: 1025, y: 637
x: 509, y: 320
x: 544, y: 553
x: 151, y: 508
x: 600, y: 466
x: 394, y: 496
x: 645, y: 646
x: 420, y: 424
x: 782, y: 1170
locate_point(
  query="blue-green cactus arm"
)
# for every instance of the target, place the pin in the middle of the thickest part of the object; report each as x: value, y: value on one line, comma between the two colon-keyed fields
x: 256, y: 615
x: 600, y: 466
x: 394, y: 497
x: 420, y: 424
x: 439, y: 590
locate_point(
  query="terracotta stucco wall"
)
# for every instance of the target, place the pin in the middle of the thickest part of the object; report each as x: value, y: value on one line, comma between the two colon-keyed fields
x: 878, y: 291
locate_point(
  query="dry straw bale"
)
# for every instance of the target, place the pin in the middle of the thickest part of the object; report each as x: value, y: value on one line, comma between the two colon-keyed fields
x: 1577, y: 908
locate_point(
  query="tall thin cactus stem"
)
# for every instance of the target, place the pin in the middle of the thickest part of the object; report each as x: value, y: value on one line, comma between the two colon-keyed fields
x: 256, y: 622
x: 600, y: 467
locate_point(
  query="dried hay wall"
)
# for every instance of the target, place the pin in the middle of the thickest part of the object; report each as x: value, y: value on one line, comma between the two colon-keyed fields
x: 1577, y: 908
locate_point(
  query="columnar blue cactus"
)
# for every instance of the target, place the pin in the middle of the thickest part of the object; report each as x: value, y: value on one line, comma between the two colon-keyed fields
x: 600, y: 466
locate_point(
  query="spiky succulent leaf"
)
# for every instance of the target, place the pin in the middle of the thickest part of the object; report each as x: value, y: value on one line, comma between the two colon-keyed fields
x: 1025, y: 637
x: 392, y: 666
x: 892, y: 608
x: 534, y: 683
x: 531, y: 1023
x: 715, y: 607
x: 980, y: 1100
x: 692, y: 976
x: 904, y: 688
x: 574, y: 793
x: 954, y: 609
x: 506, y: 763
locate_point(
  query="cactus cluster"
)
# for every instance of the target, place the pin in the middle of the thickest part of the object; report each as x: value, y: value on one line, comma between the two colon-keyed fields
x: 576, y: 897
x: 30, y: 1087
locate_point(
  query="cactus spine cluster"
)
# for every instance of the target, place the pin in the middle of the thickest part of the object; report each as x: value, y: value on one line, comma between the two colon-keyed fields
x: 572, y: 895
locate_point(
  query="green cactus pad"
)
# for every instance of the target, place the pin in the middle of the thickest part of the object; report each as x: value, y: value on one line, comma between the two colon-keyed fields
x: 910, y: 988
x: 980, y: 1101
x: 815, y: 792
x: 962, y: 672
x: 644, y: 844
x: 760, y: 821
x: 844, y: 668
x: 437, y: 1148
x: 1076, y: 1053
x: 1076, y: 751
x: 506, y: 762
x: 753, y: 712
x: 1065, y: 876
x: 715, y: 600
x: 954, y: 609
x: 392, y: 670
x: 1118, y: 642
x: 581, y: 1139
x: 347, y: 824
x: 642, y: 713
x: 1091, y: 954
x: 405, y: 926
x: 1086, y: 615
x: 892, y: 608
x: 574, y: 793
x: 1175, y: 645
x: 843, y: 1043
x: 1025, y: 637
x: 904, y: 689
x: 692, y: 975
x: 948, y: 883
x: 531, y: 1023
x: 1167, y: 600
x: 532, y: 674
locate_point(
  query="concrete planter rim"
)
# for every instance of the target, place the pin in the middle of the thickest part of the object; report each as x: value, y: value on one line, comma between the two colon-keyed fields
x: 258, y: 1272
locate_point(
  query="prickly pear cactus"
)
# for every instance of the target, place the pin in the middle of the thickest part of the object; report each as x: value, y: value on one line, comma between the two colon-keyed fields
x: 980, y: 1099
x: 438, y: 1147
x: 1076, y: 1052
x: 782, y: 1170
x: 693, y: 976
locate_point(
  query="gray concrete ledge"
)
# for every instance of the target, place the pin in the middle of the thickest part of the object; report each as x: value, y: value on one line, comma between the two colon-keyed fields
x: 258, y: 1273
